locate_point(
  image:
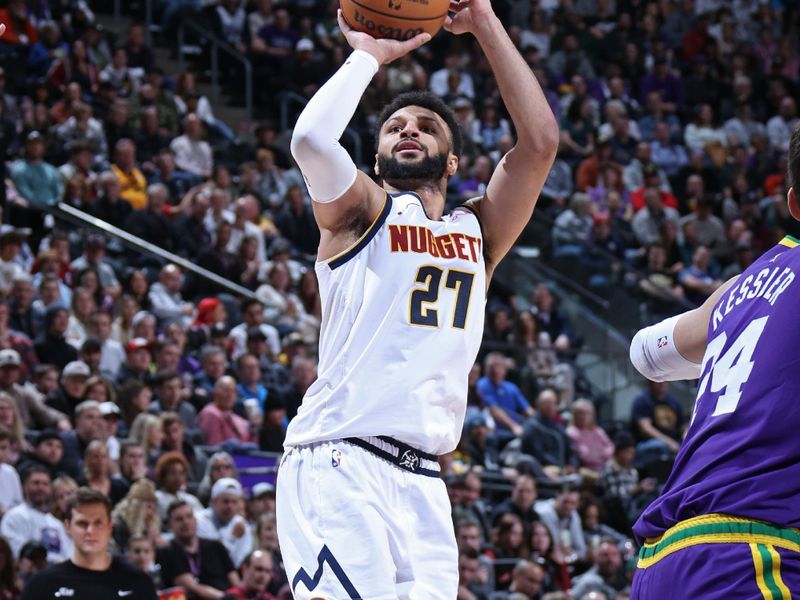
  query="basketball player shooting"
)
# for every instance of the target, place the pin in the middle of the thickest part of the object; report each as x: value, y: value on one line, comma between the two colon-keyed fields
x: 362, y: 511
x: 727, y: 524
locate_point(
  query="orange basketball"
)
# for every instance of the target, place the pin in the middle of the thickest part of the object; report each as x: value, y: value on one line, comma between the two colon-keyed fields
x: 396, y: 19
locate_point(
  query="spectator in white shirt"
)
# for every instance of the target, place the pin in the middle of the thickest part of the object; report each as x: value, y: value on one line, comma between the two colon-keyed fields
x: 438, y: 82
x: 192, y: 154
x: 165, y: 297
x: 780, y: 127
x: 221, y: 520
x: 113, y: 354
x: 10, y: 488
x: 253, y: 315
x: 31, y: 521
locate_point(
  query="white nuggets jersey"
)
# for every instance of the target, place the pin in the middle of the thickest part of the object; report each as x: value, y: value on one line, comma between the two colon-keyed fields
x: 402, y: 322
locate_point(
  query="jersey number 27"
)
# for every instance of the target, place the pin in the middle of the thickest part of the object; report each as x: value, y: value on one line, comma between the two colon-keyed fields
x: 421, y: 313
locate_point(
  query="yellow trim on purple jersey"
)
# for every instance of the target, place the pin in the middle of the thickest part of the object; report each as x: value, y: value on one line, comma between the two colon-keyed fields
x: 718, y: 529
x: 789, y: 242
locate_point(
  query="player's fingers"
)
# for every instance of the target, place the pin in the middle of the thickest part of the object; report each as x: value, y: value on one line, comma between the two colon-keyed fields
x: 342, y: 23
x: 417, y: 41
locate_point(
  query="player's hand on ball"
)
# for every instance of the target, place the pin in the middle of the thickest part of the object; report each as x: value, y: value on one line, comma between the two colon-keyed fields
x: 384, y: 50
x: 469, y: 15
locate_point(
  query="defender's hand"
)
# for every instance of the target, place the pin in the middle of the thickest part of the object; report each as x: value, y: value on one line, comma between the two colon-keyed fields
x: 384, y: 50
x: 469, y: 15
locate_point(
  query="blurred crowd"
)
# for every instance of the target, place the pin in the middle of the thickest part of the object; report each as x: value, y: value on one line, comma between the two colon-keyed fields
x: 127, y: 373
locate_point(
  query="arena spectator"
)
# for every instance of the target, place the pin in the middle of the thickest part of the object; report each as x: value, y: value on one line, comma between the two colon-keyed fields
x: 560, y: 515
x: 217, y: 420
x: 200, y: 566
x: 504, y: 399
x: 31, y: 521
x: 33, y: 411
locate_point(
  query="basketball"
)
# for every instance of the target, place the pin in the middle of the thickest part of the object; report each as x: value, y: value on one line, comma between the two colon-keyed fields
x: 396, y: 19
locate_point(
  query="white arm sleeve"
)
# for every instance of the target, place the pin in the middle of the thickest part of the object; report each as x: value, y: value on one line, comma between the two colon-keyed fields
x: 327, y: 168
x: 655, y: 356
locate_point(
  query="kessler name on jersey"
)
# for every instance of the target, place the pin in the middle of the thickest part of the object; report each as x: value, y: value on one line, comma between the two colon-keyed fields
x: 421, y: 240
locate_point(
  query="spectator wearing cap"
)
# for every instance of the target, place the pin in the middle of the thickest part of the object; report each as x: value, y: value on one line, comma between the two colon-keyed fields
x: 201, y: 566
x: 222, y: 521
x: 89, y: 426
x: 72, y: 388
x: 137, y: 361
x: 111, y: 419
x: 94, y: 257
x: 47, y: 452
x: 217, y: 420
x: 261, y: 500
x: 171, y: 472
x: 37, y: 181
x: 253, y: 318
x: 170, y: 398
x: 192, y: 153
x: 11, y: 241
x: 165, y: 297
x: 31, y: 521
x: 33, y: 411
x: 303, y: 71
x: 51, y: 346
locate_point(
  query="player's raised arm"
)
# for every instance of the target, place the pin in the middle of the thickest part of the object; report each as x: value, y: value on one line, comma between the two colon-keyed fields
x: 512, y: 192
x: 673, y: 349
x: 340, y: 191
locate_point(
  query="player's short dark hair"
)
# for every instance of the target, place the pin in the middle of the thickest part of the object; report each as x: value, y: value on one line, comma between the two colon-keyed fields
x: 794, y: 159
x: 427, y: 100
x: 85, y: 496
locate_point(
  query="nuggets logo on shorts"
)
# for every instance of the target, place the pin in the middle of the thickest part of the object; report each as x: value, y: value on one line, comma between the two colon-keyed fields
x: 336, y: 457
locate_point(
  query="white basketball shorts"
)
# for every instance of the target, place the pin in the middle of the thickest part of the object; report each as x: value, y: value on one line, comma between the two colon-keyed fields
x: 353, y: 525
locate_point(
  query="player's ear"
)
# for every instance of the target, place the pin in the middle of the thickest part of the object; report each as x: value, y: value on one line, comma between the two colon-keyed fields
x: 452, y: 165
x: 794, y: 203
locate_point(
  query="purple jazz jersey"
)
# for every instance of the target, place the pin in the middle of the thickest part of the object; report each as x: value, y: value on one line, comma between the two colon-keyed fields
x: 741, y: 455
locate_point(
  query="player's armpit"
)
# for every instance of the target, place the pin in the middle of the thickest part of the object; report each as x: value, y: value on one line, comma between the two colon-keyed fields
x: 691, y: 330
x: 345, y: 219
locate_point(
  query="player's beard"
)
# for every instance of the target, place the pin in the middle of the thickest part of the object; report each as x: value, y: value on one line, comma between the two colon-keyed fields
x: 427, y: 172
